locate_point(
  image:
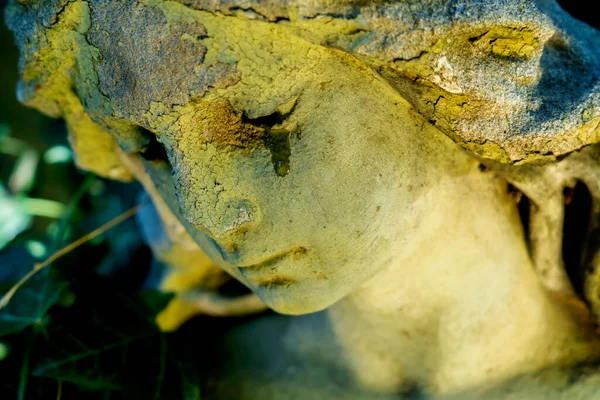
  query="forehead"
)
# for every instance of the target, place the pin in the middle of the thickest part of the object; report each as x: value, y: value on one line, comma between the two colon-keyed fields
x: 179, y: 58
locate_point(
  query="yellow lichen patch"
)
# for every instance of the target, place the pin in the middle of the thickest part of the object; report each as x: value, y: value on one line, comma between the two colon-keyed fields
x: 93, y: 146
x: 450, y: 107
x: 49, y: 72
x: 509, y: 42
x: 588, y: 132
x: 488, y: 149
x: 535, y: 158
x: 160, y: 118
x: 275, y: 61
x: 222, y: 126
x: 419, y: 67
x: 441, y: 107
x: 422, y: 65
x: 335, y: 32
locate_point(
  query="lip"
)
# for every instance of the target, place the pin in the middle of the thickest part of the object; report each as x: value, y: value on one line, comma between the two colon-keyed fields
x: 293, y: 253
x: 274, y: 281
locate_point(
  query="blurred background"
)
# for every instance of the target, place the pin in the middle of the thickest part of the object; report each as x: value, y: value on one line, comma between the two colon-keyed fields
x: 80, y: 328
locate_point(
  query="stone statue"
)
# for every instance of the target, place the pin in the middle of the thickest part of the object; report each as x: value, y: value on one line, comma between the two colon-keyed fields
x: 394, y: 174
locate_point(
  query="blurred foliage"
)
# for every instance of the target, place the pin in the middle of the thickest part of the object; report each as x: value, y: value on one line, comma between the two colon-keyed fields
x: 82, y: 328
x: 83, y: 323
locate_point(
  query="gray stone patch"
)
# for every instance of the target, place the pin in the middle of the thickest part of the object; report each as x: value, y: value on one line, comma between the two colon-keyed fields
x: 146, y: 59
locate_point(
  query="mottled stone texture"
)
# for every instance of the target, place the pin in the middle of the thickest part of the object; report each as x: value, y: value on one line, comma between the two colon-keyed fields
x: 150, y: 59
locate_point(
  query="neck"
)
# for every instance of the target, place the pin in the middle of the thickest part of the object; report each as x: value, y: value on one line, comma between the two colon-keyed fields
x: 462, y: 306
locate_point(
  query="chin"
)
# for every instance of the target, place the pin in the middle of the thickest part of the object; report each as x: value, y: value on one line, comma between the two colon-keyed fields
x: 291, y: 301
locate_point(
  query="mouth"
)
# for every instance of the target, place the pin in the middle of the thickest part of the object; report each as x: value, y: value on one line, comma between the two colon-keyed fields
x: 274, y: 281
x: 264, y: 274
x: 294, y: 253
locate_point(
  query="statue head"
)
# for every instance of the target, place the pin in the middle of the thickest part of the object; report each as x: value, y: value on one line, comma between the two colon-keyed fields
x: 301, y: 143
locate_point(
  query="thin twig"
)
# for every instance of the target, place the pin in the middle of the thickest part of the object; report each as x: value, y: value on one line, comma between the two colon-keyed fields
x: 59, y: 391
x: 38, y: 267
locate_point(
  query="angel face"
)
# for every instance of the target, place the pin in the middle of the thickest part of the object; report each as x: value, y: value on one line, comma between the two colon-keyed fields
x: 309, y: 174
x: 305, y: 238
x: 307, y: 203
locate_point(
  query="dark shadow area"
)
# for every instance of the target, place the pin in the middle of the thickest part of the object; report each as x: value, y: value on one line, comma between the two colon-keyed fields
x: 154, y: 151
x: 583, y: 10
x: 525, y: 215
x: 578, y: 207
x: 566, y: 82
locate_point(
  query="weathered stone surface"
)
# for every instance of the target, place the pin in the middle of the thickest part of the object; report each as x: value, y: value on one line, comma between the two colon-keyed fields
x: 509, y: 80
x: 506, y: 79
x: 151, y: 60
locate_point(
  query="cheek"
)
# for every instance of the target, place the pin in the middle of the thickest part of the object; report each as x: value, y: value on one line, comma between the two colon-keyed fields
x: 349, y: 182
x: 337, y: 198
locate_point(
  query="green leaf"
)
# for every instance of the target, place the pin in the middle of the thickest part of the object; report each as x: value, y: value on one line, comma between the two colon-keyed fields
x: 92, y: 346
x: 4, y: 131
x: 62, y: 226
x: 4, y: 351
x: 30, y: 304
x: 154, y: 302
x: 24, y: 373
x: 22, y: 178
x: 108, y: 341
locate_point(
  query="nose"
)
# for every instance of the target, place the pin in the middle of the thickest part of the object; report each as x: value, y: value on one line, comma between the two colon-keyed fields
x: 224, y: 219
x: 234, y: 216
x: 225, y: 223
